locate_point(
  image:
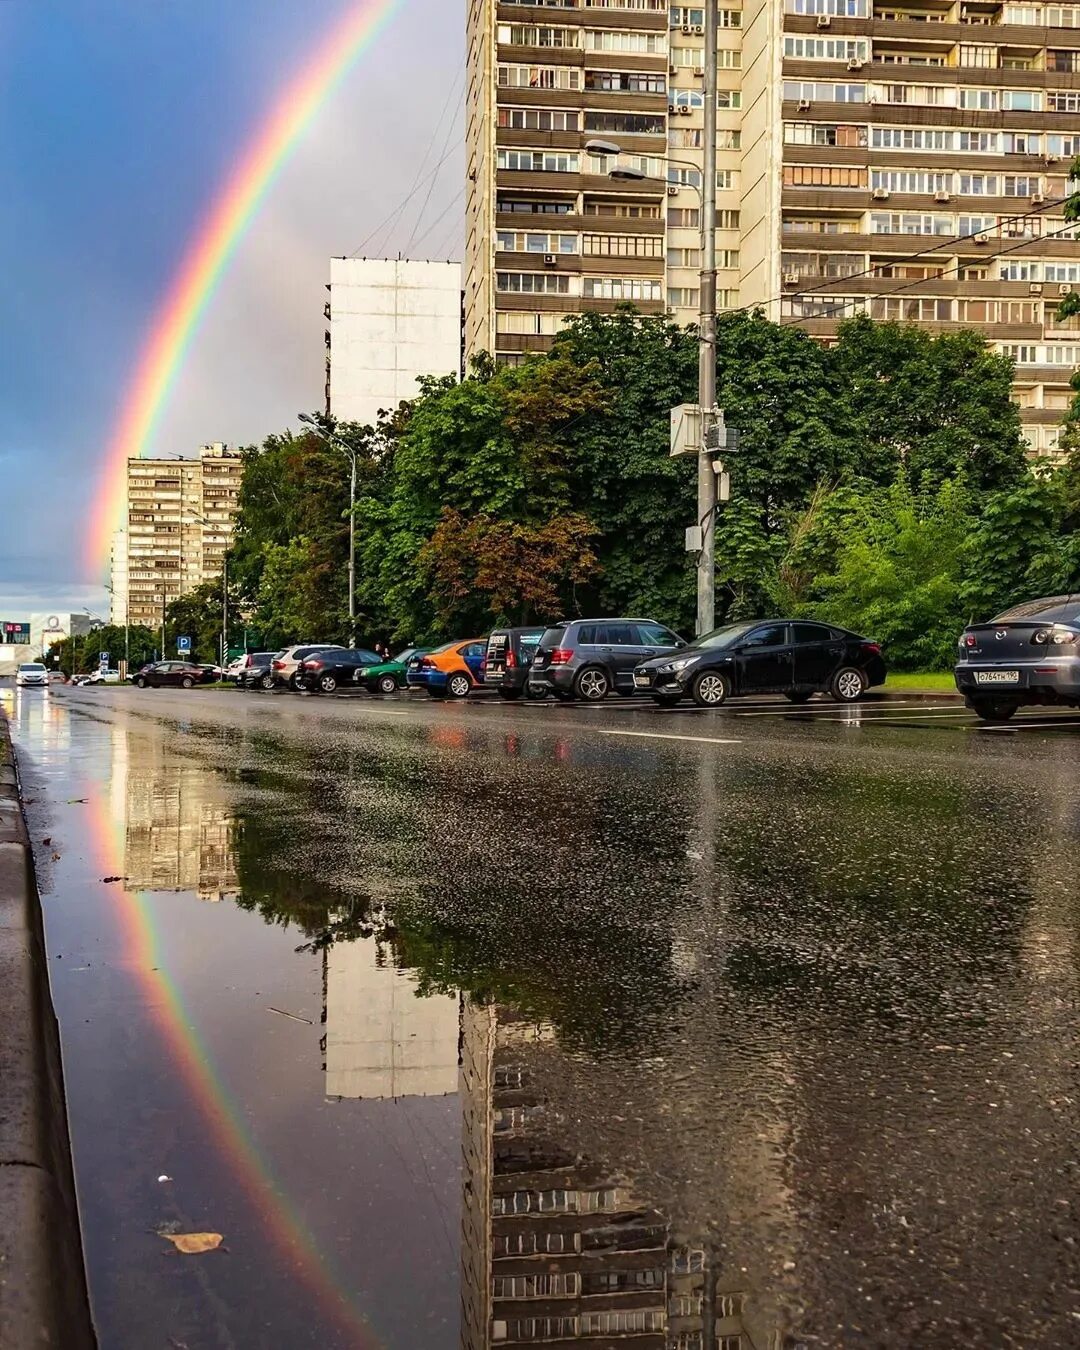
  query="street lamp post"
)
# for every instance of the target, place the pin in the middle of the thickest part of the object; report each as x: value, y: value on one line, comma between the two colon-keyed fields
x: 312, y: 425
x: 707, y: 491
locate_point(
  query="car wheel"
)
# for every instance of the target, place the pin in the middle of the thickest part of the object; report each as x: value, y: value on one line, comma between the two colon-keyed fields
x: 847, y: 685
x: 327, y: 684
x: 711, y: 688
x: 509, y: 694
x: 140, y: 683
x: 592, y: 684
x: 800, y: 696
x: 991, y: 711
x: 387, y: 684
x: 266, y: 682
x: 535, y: 694
x: 458, y: 685
x: 187, y: 682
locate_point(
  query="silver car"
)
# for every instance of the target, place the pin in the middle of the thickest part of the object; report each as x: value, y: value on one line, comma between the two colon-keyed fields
x: 286, y: 664
x: 31, y: 673
x: 1029, y: 654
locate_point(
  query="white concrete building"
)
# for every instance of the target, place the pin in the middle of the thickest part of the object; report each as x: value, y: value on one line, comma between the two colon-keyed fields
x: 390, y: 321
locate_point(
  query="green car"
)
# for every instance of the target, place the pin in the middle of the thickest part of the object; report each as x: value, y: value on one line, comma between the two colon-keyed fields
x: 388, y: 676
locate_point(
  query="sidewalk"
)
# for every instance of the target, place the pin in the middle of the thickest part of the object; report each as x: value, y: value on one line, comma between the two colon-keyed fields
x: 43, y: 1299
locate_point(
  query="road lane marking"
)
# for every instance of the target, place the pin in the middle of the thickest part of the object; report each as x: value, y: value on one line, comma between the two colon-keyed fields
x: 668, y: 736
x: 795, y: 710
x: 1025, y: 723
x: 912, y: 718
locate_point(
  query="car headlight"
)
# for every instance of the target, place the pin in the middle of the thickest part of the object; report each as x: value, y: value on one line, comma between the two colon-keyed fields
x: 680, y: 663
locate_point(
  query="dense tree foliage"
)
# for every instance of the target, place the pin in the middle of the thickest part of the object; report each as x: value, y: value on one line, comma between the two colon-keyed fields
x: 79, y: 655
x: 880, y: 482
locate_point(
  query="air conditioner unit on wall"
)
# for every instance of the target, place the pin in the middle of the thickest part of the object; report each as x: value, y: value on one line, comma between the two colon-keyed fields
x: 942, y: 196
x: 880, y: 194
x: 804, y: 105
x: 855, y: 64
x: 982, y: 239
x: 673, y: 190
x: 1035, y: 288
x: 791, y: 278
x: 824, y: 20
x: 550, y: 260
x: 1037, y: 199
x: 1064, y: 289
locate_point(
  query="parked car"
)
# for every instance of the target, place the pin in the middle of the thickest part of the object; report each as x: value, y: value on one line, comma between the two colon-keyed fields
x: 1028, y: 654
x: 285, y: 664
x: 57, y: 677
x: 780, y: 656
x: 385, y: 677
x: 588, y: 658
x: 510, y: 653
x: 233, y: 669
x: 103, y: 677
x: 214, y: 673
x: 259, y: 672
x: 176, y: 674
x: 325, y: 672
x: 30, y: 674
x: 453, y: 669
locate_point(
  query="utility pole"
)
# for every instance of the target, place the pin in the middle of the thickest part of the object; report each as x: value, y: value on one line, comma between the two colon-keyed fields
x: 225, y: 607
x: 707, y: 479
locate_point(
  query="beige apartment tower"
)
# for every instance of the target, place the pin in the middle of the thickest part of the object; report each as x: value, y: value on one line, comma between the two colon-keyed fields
x: 178, y: 522
x: 906, y: 159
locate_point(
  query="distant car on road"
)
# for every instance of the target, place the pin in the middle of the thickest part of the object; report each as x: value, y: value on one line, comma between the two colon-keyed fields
x: 1029, y: 654
x: 510, y: 653
x: 30, y: 674
x: 175, y: 674
x: 780, y: 656
x: 253, y: 671
x: 103, y: 677
x: 57, y: 677
x: 325, y: 672
x: 385, y: 677
x: 452, y: 670
x: 589, y: 658
x: 285, y: 664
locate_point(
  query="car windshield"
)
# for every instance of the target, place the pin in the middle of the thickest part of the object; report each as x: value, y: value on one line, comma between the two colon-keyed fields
x: 31, y: 666
x: 723, y: 637
x: 1057, y: 608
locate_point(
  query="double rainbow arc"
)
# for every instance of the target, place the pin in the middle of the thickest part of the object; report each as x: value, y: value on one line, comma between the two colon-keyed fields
x: 212, y: 248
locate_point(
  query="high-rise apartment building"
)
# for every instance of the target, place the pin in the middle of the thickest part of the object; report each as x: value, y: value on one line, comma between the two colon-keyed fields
x: 390, y: 321
x: 901, y: 158
x: 178, y: 521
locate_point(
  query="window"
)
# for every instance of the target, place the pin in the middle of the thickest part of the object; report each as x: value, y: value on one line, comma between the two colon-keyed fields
x: 907, y: 309
x: 976, y: 224
x: 656, y: 635
x: 680, y: 217
x: 826, y: 49
x: 1060, y: 16
x: 1067, y: 60
x: 1021, y: 186
x: 1019, y: 269
x: 533, y: 283
x: 819, y: 175
x: 622, y: 288
x: 686, y: 98
x: 685, y: 138
x: 684, y: 257
x: 624, y: 82
x: 683, y: 177
x: 981, y: 57
x: 685, y: 1305
x: 534, y: 1328
x: 1062, y: 146
x: 804, y: 632
x: 623, y: 245
x: 606, y: 1323
x: 978, y: 184
x: 623, y: 210
x: 531, y: 1243
x: 893, y: 223
x: 539, y: 161
x: 844, y: 9
x: 522, y: 206
x: 691, y: 14
x: 727, y: 220
x: 687, y: 1260
x: 909, y: 138
x: 626, y: 124
x: 727, y: 257
x: 623, y: 1281
x: 729, y: 58
x: 1062, y: 271
x: 920, y: 95
x: 652, y: 166
x: 1029, y: 15
x: 641, y: 44
x: 775, y: 635
x: 728, y: 98
x: 537, y: 1286
x: 512, y: 241
x: 808, y: 91
x: 910, y: 180
x: 539, y: 119
x: 1022, y: 100
x: 683, y: 297
x: 532, y: 35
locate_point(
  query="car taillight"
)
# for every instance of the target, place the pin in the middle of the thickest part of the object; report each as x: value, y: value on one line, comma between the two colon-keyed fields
x: 970, y: 640
x: 561, y: 656
x: 278, y: 665
x: 311, y: 665
x: 425, y: 664
x: 511, y: 660
x: 872, y: 648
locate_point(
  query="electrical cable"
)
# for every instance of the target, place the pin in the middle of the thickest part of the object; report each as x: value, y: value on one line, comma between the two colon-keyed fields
x: 441, y: 216
x: 378, y: 228
x: 431, y: 185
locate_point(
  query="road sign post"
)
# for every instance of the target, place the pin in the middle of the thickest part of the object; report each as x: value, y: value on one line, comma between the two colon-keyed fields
x: 183, y: 646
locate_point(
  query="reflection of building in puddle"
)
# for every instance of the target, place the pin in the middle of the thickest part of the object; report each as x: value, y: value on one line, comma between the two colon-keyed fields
x: 382, y: 1039
x: 558, y: 1248
x: 179, y: 833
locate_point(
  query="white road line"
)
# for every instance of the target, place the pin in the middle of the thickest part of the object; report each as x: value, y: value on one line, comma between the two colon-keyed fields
x: 797, y: 710
x: 667, y: 736
x: 1024, y: 724
x: 912, y: 719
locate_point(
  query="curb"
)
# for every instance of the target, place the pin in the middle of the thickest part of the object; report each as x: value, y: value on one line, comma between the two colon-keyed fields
x: 43, y: 1297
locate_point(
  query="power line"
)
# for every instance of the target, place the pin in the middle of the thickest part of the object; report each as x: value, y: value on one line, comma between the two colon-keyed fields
x: 441, y: 216
x: 378, y: 228
x: 431, y: 185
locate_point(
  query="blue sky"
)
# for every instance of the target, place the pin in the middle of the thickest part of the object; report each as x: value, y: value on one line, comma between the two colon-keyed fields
x: 119, y: 119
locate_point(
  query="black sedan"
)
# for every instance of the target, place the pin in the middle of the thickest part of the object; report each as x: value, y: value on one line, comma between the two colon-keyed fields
x: 778, y: 656
x: 1029, y: 654
x: 323, y: 671
x: 173, y: 674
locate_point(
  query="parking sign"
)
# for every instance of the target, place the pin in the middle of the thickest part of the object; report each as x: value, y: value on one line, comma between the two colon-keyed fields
x: 183, y: 644
x: 103, y: 659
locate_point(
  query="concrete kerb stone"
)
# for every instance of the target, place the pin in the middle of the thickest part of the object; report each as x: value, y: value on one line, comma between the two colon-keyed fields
x: 43, y: 1299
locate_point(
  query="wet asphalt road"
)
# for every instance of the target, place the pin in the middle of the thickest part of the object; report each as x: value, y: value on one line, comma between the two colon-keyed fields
x: 472, y: 1024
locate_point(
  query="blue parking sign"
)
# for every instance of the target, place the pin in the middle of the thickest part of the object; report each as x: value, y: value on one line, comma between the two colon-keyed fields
x: 183, y: 644
x: 103, y: 659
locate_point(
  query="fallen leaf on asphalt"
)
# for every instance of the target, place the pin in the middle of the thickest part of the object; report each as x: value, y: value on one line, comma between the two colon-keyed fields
x: 114, y: 878
x: 194, y: 1244
x: 73, y: 801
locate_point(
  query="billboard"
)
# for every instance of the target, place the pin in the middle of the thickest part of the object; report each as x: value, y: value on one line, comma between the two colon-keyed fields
x: 17, y: 634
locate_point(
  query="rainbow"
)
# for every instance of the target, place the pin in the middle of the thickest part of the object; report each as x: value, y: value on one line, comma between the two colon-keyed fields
x: 213, y: 246
x: 143, y: 956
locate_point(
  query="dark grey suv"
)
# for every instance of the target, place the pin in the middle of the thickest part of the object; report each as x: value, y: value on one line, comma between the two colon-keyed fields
x: 588, y: 658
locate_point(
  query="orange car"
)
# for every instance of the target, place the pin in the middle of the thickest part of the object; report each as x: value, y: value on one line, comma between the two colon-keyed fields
x: 452, y: 670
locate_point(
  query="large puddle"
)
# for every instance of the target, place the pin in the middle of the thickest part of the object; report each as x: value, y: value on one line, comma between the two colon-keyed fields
x: 469, y: 1039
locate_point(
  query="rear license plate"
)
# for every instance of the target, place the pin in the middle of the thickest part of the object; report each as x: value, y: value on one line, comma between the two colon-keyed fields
x: 997, y: 677
x: 642, y: 681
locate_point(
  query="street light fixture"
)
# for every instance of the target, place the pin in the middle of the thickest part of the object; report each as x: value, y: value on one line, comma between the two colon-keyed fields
x: 312, y: 424
x: 707, y: 492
